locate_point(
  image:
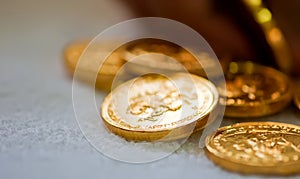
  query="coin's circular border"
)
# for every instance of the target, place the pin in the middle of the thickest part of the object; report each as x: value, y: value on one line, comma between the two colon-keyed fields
x: 86, y: 107
x: 266, y: 107
x: 179, y: 132
x: 283, y: 169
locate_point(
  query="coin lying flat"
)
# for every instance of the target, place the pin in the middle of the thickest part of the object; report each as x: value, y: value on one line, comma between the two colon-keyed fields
x: 89, y: 66
x: 181, y: 58
x: 253, y: 90
x: 256, y: 148
x: 155, y: 107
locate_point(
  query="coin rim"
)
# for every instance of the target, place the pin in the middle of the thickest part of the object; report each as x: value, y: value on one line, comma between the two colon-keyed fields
x: 150, y: 135
x: 236, y: 110
x: 104, y: 79
x: 289, y: 168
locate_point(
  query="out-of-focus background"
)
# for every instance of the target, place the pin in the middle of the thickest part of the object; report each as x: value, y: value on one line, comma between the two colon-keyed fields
x: 39, y: 136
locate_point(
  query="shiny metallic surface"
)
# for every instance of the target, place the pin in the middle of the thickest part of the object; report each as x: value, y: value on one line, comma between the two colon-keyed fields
x: 89, y: 67
x: 253, y: 90
x: 256, y: 148
x: 156, y: 107
x: 273, y: 34
x: 181, y: 58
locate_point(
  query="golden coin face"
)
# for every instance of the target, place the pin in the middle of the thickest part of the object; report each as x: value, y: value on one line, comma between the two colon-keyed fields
x: 151, y: 106
x: 253, y: 90
x: 256, y: 148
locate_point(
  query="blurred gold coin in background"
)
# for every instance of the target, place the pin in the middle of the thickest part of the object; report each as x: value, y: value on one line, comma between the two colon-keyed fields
x: 256, y: 148
x: 181, y: 58
x: 172, y: 59
x: 254, y: 90
x: 156, y: 107
x: 89, y: 67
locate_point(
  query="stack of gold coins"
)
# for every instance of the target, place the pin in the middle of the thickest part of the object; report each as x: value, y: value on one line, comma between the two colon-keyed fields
x: 256, y: 148
x: 253, y: 90
x: 154, y: 107
x: 89, y: 68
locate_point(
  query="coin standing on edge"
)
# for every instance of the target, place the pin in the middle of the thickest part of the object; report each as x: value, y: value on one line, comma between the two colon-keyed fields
x: 254, y: 90
x: 156, y: 107
x: 256, y: 148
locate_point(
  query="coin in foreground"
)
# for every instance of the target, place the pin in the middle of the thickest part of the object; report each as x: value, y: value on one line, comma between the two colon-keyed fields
x: 256, y: 148
x: 254, y: 90
x: 156, y: 107
x: 89, y: 65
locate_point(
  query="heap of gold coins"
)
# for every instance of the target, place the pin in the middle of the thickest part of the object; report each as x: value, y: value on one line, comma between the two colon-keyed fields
x: 159, y: 107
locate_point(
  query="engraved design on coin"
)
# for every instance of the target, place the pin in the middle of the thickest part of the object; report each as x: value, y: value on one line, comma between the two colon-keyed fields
x: 155, y: 102
x: 258, y: 144
x: 254, y: 88
x: 114, y: 116
x: 151, y: 105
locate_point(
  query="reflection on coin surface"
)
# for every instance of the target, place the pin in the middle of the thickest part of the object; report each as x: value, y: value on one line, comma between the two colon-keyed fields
x: 253, y: 90
x: 256, y: 148
x: 155, y: 107
x: 179, y: 54
x: 89, y: 67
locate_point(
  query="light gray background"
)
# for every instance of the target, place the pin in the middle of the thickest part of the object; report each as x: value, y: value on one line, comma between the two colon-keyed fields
x: 39, y: 136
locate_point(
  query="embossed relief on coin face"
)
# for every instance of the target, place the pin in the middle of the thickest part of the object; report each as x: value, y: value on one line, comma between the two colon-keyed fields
x: 253, y: 90
x: 151, y: 104
x: 258, y: 144
x: 159, y: 99
x: 244, y: 88
x: 248, y: 83
x: 154, y: 102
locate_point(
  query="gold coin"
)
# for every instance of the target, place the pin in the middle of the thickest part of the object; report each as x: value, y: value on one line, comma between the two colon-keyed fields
x: 155, y: 107
x: 253, y: 90
x: 179, y: 58
x: 89, y: 67
x: 256, y: 148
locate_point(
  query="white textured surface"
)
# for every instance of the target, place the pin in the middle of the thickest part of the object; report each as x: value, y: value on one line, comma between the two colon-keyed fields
x: 39, y: 136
